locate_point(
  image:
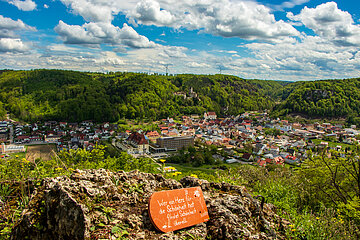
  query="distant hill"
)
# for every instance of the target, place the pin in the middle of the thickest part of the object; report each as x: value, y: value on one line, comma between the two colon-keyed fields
x: 54, y: 94
x: 321, y: 99
x: 76, y: 96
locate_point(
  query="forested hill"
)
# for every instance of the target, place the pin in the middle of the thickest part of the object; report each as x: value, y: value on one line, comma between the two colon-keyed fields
x: 75, y: 96
x: 322, y: 99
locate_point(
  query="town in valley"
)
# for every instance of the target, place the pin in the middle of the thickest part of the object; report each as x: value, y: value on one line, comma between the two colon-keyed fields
x: 250, y: 138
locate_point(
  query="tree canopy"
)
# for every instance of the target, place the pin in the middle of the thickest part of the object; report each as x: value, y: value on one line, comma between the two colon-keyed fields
x: 75, y: 96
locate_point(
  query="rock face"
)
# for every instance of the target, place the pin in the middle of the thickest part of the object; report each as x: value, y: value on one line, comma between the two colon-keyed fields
x: 99, y: 204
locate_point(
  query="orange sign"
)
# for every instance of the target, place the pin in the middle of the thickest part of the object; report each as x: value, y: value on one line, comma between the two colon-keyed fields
x: 176, y: 209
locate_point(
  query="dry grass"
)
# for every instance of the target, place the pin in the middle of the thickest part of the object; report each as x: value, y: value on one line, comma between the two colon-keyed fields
x: 45, y: 152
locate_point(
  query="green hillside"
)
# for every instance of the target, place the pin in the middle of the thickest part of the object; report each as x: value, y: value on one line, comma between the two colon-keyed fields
x: 53, y: 94
x: 75, y: 96
x: 322, y: 99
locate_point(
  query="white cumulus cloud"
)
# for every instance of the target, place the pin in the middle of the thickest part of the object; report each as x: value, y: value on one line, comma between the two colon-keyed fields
x: 197, y: 65
x: 9, y: 39
x: 10, y: 24
x: 243, y: 19
x: 26, y: 5
x: 312, y: 57
x: 172, y: 51
x: 149, y: 12
x: 110, y: 59
x: 279, y: 51
x: 99, y: 29
x: 75, y: 34
x: 290, y: 4
x: 331, y: 23
x: 12, y: 45
x: 100, y: 32
x: 94, y: 10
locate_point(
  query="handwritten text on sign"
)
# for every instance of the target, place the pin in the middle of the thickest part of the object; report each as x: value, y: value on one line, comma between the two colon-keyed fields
x: 177, y: 209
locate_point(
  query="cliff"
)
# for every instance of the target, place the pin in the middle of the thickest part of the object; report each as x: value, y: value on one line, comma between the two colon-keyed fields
x: 99, y: 204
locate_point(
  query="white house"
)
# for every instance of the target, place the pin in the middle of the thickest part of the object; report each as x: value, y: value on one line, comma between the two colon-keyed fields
x: 210, y: 115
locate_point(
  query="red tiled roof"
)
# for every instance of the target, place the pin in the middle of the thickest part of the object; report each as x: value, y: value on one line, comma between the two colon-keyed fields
x: 22, y: 137
x: 153, y: 134
x: 226, y: 139
x: 279, y: 160
x: 138, y: 138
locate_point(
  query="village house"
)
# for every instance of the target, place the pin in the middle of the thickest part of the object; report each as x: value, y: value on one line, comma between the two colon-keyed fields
x: 135, y: 144
x: 12, y: 148
x: 52, y: 138
x: 210, y: 116
x: 152, y: 135
x: 22, y: 139
x: 175, y: 142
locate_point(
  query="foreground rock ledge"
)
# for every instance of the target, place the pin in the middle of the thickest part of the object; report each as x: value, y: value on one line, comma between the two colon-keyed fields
x: 99, y: 204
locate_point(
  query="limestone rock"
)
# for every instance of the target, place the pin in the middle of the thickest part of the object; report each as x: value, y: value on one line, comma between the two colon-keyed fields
x: 100, y: 204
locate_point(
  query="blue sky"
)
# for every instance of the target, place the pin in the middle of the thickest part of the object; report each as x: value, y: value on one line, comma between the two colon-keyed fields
x: 282, y: 40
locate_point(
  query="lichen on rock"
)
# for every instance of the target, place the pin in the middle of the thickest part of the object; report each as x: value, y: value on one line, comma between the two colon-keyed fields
x: 100, y: 204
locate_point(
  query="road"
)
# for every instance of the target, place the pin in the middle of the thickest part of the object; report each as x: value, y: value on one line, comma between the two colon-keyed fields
x: 11, y: 129
x: 11, y: 134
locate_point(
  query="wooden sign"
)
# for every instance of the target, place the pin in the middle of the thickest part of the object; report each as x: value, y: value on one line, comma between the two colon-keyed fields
x: 176, y: 209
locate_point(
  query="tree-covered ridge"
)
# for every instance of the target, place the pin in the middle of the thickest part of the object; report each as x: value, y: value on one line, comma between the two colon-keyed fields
x: 225, y: 94
x: 53, y: 94
x: 326, y: 98
x: 75, y: 96
x: 272, y: 88
x: 136, y: 95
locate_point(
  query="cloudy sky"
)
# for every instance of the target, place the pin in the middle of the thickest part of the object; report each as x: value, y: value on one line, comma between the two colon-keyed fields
x: 282, y: 40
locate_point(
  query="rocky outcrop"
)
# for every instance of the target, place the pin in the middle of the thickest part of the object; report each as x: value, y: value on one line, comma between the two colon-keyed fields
x: 99, y: 204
